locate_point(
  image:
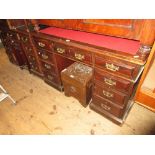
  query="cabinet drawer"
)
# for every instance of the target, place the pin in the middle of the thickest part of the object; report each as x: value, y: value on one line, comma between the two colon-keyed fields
x: 117, y: 66
x: 50, y: 77
x: 72, y: 90
x: 48, y: 67
x: 29, y: 50
x: 44, y: 55
x: 114, y: 96
x: 81, y: 55
x: 43, y: 43
x: 108, y: 106
x: 31, y: 58
x: 11, y: 35
x: 61, y: 49
x: 113, y: 82
x: 34, y: 66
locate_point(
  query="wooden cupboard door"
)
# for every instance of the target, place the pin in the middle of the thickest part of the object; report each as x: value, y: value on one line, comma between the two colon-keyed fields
x: 125, y: 28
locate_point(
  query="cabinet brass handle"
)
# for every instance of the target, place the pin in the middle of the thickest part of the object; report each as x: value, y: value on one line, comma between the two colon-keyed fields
x: 109, y: 82
x: 24, y: 39
x: 107, y: 94
x: 112, y: 67
x: 50, y: 77
x: 105, y: 107
x: 79, y: 56
x: 44, y: 56
x: 41, y: 44
x: 47, y: 66
x: 60, y: 50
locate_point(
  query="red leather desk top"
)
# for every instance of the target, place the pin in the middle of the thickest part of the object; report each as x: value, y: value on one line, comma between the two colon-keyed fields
x: 114, y: 43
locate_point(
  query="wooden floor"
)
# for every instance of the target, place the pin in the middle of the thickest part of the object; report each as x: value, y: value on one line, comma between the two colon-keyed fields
x: 41, y: 109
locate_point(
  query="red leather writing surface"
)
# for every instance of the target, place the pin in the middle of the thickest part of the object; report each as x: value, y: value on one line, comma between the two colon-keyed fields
x: 119, y: 44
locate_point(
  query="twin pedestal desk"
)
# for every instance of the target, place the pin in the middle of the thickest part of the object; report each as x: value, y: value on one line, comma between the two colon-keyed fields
x: 117, y: 64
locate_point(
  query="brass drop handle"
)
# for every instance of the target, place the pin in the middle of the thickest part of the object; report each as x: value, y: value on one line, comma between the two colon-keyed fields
x: 41, y: 44
x: 79, y: 56
x: 44, y: 56
x: 24, y: 39
x: 47, y: 66
x: 105, y: 107
x: 109, y: 82
x: 112, y: 67
x: 107, y: 94
x: 60, y: 50
x: 50, y: 77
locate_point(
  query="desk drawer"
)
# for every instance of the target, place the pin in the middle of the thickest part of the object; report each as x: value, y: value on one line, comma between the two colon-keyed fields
x: 44, y: 55
x: 51, y: 77
x: 11, y: 35
x: 49, y: 68
x: 61, y: 49
x: 113, y: 82
x: 43, y: 44
x: 31, y: 58
x: 114, y: 96
x: 108, y: 106
x: 117, y: 66
x: 29, y: 50
x: 81, y: 55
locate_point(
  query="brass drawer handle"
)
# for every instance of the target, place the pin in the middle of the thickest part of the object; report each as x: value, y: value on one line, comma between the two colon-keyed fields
x: 24, y: 39
x: 50, y: 77
x: 109, y: 82
x: 105, y: 107
x: 47, y: 66
x: 41, y: 44
x: 79, y: 56
x: 44, y: 56
x: 107, y: 94
x: 112, y: 67
x: 60, y: 50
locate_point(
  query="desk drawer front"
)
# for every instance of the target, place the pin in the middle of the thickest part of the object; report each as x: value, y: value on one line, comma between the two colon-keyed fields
x: 117, y: 66
x: 31, y: 58
x: 48, y: 67
x: 107, y: 106
x: 29, y: 50
x: 61, y: 49
x: 43, y: 43
x: 50, y: 77
x: 111, y: 95
x: 113, y: 82
x: 44, y: 55
x: 81, y: 55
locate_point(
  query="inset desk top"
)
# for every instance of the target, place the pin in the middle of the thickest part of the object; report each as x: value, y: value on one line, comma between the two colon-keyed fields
x: 114, y: 43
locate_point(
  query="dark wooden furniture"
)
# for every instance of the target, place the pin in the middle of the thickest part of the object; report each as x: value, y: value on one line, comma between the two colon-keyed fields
x: 117, y: 60
x: 77, y: 82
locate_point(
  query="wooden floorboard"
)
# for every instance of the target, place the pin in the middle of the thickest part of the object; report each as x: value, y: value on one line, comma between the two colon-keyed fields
x: 42, y: 109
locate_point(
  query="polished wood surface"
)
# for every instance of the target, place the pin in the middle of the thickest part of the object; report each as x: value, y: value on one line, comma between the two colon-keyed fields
x: 48, y: 55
